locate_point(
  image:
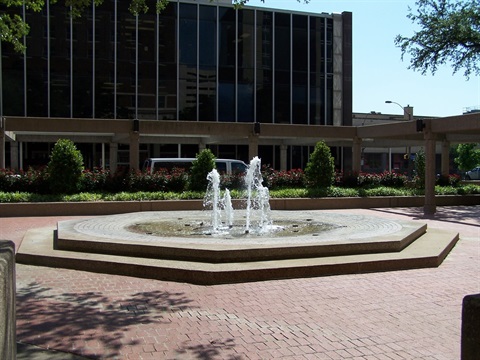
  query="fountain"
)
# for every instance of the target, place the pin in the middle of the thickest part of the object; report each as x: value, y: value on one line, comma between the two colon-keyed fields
x: 232, y: 245
x: 257, y: 203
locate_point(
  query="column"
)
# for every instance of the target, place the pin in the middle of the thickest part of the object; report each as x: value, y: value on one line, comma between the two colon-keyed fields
x: 445, y: 158
x: 429, y: 206
x: 357, y: 155
x: 14, y: 145
x: 283, y: 157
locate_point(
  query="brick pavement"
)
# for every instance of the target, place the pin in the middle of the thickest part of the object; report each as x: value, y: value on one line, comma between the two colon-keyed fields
x: 414, y: 314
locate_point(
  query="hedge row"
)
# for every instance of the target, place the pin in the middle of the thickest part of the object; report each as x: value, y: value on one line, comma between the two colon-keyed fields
x: 100, y: 180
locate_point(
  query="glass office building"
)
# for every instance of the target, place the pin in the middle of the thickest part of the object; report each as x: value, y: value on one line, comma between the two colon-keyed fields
x: 196, y: 61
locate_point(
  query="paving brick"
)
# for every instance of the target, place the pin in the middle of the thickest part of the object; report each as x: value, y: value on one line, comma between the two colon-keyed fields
x: 394, y: 315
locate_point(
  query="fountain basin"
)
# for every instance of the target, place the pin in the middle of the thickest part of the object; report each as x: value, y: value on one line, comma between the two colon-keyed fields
x: 341, y: 235
x: 103, y: 244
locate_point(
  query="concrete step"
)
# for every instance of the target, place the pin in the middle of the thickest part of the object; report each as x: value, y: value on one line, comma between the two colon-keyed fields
x: 428, y: 250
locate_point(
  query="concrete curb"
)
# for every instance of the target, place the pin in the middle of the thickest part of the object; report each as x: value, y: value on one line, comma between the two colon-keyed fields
x: 120, y: 207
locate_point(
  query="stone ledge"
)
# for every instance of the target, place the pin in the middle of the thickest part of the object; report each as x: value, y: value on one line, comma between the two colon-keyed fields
x: 120, y: 207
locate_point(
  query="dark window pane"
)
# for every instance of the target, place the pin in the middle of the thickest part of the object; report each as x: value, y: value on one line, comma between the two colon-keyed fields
x: 245, y: 101
x: 59, y: 62
x: 245, y: 44
x: 207, y: 78
x: 226, y: 75
x: 147, y: 56
x: 207, y: 94
x: 37, y: 73
x: 188, y: 62
x: 299, y: 103
x: 329, y: 57
x: 329, y: 100
x: 208, y: 36
x: 317, y: 50
x: 167, y: 68
x: 126, y: 71
x: 300, y: 43
x: 104, y: 61
x: 282, y: 41
x: 282, y: 68
x: 12, y: 83
x: 188, y: 34
x: 226, y: 101
x: 317, y: 115
x: 264, y: 91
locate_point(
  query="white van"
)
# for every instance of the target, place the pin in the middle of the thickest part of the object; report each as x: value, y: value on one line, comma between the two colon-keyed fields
x: 227, y: 166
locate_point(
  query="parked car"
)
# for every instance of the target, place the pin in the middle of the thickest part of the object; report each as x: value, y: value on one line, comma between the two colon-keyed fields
x: 227, y: 166
x: 473, y: 174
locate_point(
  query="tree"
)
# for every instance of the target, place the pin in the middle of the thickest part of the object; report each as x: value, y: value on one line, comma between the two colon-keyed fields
x: 449, y: 33
x: 420, y: 168
x: 201, y: 166
x: 65, y: 167
x: 320, y: 170
x: 13, y: 28
x: 468, y: 156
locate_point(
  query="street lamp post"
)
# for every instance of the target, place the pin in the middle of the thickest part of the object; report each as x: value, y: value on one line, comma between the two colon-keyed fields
x: 407, y: 148
x: 409, y: 115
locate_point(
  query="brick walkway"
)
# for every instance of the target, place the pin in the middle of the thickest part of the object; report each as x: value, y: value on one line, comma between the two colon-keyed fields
x: 413, y: 314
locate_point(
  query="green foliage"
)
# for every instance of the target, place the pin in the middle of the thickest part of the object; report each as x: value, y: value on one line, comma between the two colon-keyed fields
x: 445, y: 190
x: 448, y: 180
x: 65, y: 167
x: 332, y: 191
x: 420, y: 168
x: 385, y: 191
x: 468, y: 156
x: 33, y: 181
x: 448, y: 33
x: 201, y: 166
x: 13, y: 197
x: 289, y: 193
x: 367, y: 180
x: 320, y: 170
x: 162, y: 180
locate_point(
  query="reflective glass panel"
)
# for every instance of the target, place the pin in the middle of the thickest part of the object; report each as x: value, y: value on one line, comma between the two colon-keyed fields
x: 207, y: 77
x: 104, y: 60
x: 13, y: 90
x: 37, y: 66
x: 282, y: 68
x: 59, y: 62
x: 264, y: 58
x: 167, y: 66
x: 188, y: 62
x: 126, y: 57
x: 245, y: 48
x: 226, y: 75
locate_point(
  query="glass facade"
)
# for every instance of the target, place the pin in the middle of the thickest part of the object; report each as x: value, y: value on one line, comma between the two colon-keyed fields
x: 195, y: 61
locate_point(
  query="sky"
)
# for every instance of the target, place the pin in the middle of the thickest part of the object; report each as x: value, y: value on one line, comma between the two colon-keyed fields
x: 379, y: 74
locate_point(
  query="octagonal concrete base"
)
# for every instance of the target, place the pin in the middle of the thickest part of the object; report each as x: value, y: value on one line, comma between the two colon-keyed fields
x: 368, y: 244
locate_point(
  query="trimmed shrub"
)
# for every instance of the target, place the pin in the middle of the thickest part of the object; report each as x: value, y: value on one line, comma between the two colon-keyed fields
x: 201, y: 166
x: 232, y: 181
x: 94, y: 180
x: 420, y: 168
x: 65, y: 168
x: 320, y: 170
x: 448, y: 180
